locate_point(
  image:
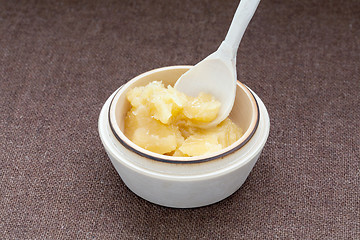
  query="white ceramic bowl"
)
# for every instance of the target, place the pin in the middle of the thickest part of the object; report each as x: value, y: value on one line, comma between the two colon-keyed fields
x: 179, y: 182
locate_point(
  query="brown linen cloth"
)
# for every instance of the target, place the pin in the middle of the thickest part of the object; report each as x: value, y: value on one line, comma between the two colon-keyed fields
x: 60, y: 61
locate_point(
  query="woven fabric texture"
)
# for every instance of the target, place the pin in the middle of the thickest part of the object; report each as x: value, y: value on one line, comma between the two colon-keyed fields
x: 60, y: 61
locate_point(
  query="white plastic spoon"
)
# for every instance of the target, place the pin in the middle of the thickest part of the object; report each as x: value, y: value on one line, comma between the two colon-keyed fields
x: 216, y: 74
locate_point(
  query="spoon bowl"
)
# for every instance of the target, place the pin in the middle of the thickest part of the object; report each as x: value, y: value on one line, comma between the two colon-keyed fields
x: 206, y: 77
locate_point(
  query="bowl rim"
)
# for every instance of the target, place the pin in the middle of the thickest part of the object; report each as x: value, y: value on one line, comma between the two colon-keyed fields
x: 127, y: 143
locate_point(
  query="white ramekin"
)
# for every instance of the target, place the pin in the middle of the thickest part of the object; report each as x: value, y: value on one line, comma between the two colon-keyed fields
x: 184, y: 185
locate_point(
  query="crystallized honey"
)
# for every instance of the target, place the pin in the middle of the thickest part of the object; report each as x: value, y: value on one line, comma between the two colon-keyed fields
x: 166, y: 121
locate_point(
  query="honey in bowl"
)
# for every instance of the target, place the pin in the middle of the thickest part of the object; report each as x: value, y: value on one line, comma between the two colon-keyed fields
x: 166, y: 121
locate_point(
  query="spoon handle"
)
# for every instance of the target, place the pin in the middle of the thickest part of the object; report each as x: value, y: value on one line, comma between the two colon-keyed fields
x: 241, y: 19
